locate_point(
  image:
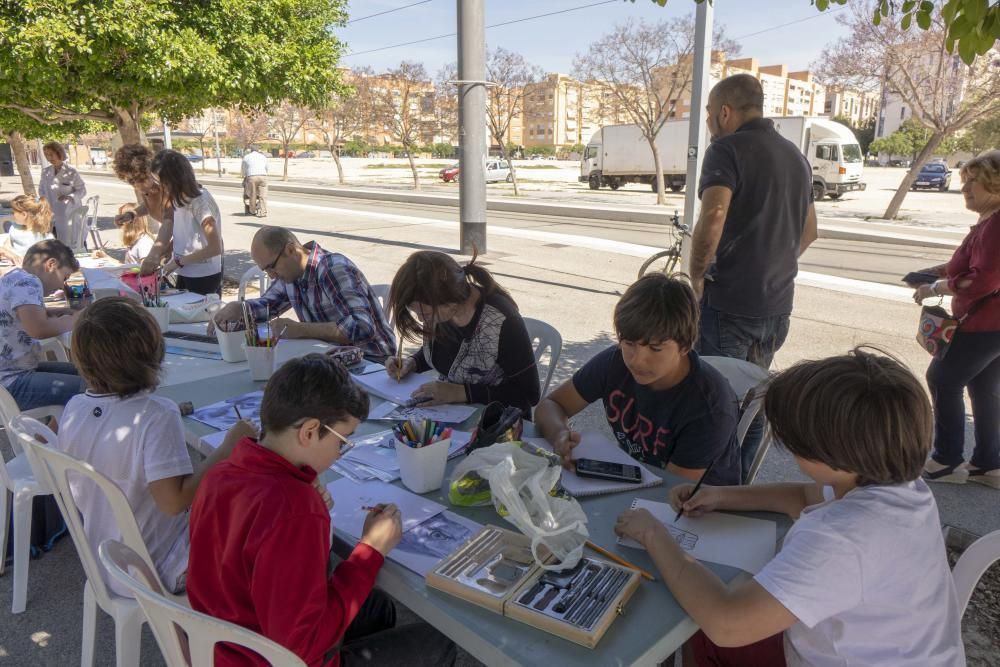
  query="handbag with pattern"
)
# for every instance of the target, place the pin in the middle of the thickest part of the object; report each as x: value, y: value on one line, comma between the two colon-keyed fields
x: 937, y: 326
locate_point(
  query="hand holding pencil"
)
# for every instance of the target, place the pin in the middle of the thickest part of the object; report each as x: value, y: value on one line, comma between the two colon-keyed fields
x: 399, y: 368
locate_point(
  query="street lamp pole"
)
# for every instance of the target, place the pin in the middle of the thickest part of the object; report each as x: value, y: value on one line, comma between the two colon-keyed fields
x: 696, y: 129
x: 472, y: 146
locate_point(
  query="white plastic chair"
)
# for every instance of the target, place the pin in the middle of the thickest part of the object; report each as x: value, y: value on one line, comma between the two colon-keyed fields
x: 972, y: 564
x: 548, y: 338
x: 93, y: 204
x: 20, y: 486
x: 55, y: 467
x: 251, y: 274
x: 381, y: 292
x: 77, y: 225
x: 54, y: 346
x: 746, y: 378
x: 186, y: 637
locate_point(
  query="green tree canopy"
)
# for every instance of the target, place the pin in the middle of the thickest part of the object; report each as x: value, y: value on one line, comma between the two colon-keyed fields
x: 115, y: 60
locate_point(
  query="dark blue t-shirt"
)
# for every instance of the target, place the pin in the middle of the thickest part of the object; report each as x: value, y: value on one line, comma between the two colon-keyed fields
x: 689, y: 425
x: 757, y: 258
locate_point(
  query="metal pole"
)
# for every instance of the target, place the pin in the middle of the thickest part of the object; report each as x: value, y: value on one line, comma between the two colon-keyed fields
x: 168, y: 141
x: 697, y: 131
x: 218, y: 153
x: 472, y: 146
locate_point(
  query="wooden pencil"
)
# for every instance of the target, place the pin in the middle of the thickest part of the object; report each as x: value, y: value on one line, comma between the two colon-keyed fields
x: 621, y: 561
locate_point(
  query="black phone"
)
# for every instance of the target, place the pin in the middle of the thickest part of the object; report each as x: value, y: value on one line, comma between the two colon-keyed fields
x: 617, y: 472
x: 920, y: 278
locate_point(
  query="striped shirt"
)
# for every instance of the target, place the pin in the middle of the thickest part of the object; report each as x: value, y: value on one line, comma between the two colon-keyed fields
x: 332, y: 289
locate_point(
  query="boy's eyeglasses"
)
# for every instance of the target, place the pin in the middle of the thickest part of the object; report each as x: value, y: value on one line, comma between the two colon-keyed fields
x: 345, y: 445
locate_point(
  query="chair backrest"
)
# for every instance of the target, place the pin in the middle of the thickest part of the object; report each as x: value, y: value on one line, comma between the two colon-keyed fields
x: 251, y: 274
x: 55, y: 467
x: 971, y: 565
x: 93, y: 205
x: 544, y: 337
x: 77, y: 223
x: 8, y: 410
x: 186, y: 637
x: 745, y: 378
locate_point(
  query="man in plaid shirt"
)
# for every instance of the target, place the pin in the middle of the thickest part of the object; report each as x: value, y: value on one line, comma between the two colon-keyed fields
x: 330, y: 295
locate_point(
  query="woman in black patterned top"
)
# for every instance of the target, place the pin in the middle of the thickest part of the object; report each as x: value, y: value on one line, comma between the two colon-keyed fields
x: 471, y: 331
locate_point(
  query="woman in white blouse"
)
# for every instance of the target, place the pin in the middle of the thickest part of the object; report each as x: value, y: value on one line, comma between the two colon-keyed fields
x: 62, y: 187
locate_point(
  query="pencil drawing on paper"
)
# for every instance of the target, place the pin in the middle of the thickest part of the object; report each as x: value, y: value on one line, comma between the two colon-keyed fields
x: 436, y: 537
x: 685, y: 540
x: 222, y: 415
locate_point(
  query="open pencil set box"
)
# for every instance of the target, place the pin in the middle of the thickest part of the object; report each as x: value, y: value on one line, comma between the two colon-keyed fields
x: 495, y: 570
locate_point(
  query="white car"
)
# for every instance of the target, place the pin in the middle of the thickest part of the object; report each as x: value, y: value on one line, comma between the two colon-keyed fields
x: 498, y: 170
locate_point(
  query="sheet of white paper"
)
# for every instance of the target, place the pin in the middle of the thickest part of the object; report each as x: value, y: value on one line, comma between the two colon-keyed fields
x: 182, y: 299
x: 349, y: 498
x: 447, y: 414
x: 213, y: 440
x: 386, y: 386
x: 423, y: 546
x: 727, y: 539
x: 595, y: 446
x: 222, y: 416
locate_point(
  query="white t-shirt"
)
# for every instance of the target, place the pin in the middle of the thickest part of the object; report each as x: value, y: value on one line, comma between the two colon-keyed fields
x: 138, y: 251
x: 189, y: 237
x: 18, y: 350
x: 132, y: 441
x: 867, y: 578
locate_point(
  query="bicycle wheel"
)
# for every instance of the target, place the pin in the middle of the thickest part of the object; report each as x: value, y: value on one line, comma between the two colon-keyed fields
x: 666, y: 262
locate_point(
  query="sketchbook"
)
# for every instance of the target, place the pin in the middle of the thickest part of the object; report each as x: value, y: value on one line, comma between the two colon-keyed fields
x: 222, y: 415
x: 726, y: 539
x: 388, y: 387
x: 447, y: 414
x: 596, y: 446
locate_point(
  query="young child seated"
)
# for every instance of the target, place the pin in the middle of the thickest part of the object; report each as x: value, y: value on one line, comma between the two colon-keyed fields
x: 131, y: 436
x: 260, y: 536
x: 24, y: 320
x: 664, y: 404
x: 861, y: 578
x: 136, y: 239
x: 32, y: 223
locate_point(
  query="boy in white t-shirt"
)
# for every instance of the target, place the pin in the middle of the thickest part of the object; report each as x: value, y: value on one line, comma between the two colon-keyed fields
x: 131, y: 436
x: 861, y: 578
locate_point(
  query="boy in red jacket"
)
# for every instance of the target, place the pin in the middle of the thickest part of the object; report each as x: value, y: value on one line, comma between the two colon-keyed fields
x: 260, y: 536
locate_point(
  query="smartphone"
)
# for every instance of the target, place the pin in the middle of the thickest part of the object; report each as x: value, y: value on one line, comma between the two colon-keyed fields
x: 618, y: 472
x: 920, y: 278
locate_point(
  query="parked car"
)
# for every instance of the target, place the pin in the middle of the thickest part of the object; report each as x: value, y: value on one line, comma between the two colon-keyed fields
x: 306, y: 154
x: 935, y: 175
x: 496, y: 171
x: 449, y: 174
x: 193, y: 157
x: 98, y: 157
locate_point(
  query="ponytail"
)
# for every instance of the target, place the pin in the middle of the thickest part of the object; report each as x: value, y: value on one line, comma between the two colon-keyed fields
x: 37, y: 212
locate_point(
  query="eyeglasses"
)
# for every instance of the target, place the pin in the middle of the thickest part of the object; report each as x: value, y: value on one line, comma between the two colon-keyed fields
x: 270, y: 267
x: 346, y: 444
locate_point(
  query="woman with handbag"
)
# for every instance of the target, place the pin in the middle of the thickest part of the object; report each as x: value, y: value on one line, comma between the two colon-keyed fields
x: 972, y: 358
x: 472, y: 334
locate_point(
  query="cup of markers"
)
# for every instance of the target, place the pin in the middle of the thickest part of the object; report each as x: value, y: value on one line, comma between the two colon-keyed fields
x: 422, y: 452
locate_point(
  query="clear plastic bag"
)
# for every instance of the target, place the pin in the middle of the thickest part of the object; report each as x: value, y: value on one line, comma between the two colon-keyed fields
x: 523, y: 483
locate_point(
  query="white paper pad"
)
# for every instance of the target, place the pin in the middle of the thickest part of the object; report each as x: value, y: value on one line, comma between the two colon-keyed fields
x: 726, y: 539
x: 447, y: 414
x: 222, y: 416
x: 386, y: 386
x: 596, y: 446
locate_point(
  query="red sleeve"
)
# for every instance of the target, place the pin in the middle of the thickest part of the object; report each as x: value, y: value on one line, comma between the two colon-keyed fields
x: 982, y: 268
x: 296, y: 604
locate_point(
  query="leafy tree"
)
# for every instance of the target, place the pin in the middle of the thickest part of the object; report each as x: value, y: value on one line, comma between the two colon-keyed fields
x: 112, y: 61
x: 864, y: 133
x: 512, y: 74
x: 17, y: 128
x: 982, y: 135
x: 973, y: 26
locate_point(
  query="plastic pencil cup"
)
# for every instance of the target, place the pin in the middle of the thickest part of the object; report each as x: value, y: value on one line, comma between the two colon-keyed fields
x: 422, y: 468
x: 231, y: 345
x: 161, y: 314
x: 261, y: 362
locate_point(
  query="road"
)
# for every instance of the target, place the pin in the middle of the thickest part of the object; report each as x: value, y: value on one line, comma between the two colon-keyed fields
x: 871, y: 262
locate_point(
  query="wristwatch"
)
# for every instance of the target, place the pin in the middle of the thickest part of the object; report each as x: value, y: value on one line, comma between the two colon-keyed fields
x: 178, y: 262
x: 934, y: 287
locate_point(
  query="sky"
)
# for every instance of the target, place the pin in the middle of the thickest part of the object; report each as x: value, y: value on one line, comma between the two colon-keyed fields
x: 551, y: 42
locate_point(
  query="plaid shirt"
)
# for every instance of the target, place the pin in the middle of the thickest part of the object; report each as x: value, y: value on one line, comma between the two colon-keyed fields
x: 332, y: 289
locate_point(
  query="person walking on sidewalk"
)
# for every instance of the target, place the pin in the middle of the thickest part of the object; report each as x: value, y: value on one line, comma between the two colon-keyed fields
x: 972, y: 278
x: 757, y: 217
x: 254, y: 171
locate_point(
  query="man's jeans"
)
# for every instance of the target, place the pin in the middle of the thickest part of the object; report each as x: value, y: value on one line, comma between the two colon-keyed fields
x: 753, y: 339
x: 51, y: 383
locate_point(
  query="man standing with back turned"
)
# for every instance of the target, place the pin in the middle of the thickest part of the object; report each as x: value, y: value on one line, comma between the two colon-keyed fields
x: 757, y: 217
x: 254, y: 171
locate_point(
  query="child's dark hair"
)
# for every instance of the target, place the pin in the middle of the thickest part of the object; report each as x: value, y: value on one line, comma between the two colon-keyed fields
x: 657, y: 308
x: 51, y: 249
x: 434, y: 279
x: 176, y: 177
x: 311, y: 387
x: 117, y: 347
x: 860, y: 412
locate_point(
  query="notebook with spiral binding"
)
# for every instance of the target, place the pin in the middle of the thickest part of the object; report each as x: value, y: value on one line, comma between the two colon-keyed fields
x: 596, y: 446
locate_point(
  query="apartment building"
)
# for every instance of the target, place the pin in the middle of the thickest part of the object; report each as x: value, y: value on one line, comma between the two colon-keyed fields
x: 560, y: 112
x: 858, y: 106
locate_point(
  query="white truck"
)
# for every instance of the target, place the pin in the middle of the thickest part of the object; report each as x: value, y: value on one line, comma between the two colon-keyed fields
x: 619, y: 154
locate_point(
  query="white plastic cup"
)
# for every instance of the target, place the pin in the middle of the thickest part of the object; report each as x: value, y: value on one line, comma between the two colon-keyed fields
x: 162, y: 316
x: 261, y: 362
x: 231, y: 345
x: 422, y: 468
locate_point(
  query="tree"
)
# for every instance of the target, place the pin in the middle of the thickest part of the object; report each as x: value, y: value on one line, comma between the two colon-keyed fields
x: 511, y: 74
x: 286, y: 122
x: 348, y: 113
x: 446, y: 104
x: 646, y: 68
x: 114, y: 61
x: 17, y: 128
x: 248, y: 128
x: 865, y: 132
x: 973, y: 26
x: 944, y: 94
x: 982, y: 135
x: 399, y: 103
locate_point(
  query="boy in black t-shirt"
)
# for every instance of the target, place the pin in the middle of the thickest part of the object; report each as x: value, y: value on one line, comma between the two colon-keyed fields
x: 666, y: 407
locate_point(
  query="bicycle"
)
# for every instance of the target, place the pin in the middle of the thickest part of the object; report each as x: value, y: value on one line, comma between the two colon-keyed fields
x: 258, y: 208
x: 671, y: 257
